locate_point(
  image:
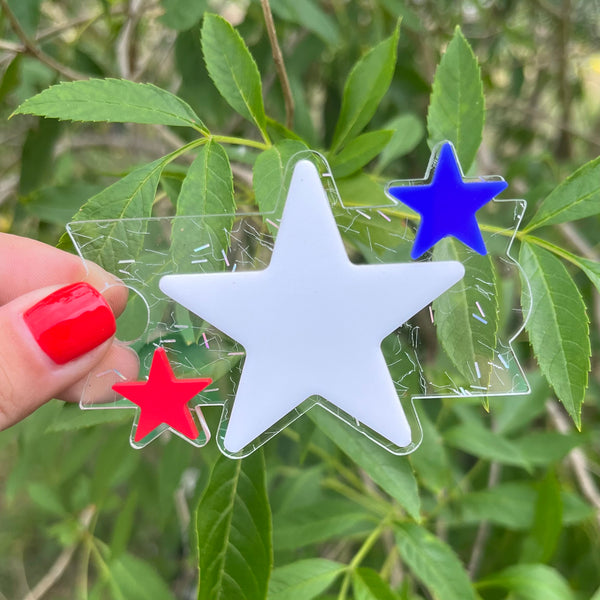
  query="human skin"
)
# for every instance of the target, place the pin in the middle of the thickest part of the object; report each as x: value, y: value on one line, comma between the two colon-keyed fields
x: 31, y: 271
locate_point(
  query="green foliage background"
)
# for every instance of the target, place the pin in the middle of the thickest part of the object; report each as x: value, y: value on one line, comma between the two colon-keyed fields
x: 498, y: 504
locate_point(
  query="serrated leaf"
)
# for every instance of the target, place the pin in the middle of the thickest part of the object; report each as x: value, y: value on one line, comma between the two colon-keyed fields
x: 591, y: 268
x: 233, y: 523
x: 206, y: 190
x: 130, y: 197
x: 378, y: 236
x: 365, y: 87
x: 392, y: 473
x: 268, y: 178
x: 368, y: 585
x: 530, y: 582
x: 232, y: 69
x: 466, y: 317
x: 577, y: 197
x: 111, y: 100
x: 360, y: 151
x: 456, y: 108
x: 483, y: 443
x: 303, y: 580
x: 557, y: 325
x: 433, y: 562
x: 408, y: 132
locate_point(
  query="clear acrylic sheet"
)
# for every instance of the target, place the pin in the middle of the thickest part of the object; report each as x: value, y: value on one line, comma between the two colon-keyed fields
x: 141, y: 251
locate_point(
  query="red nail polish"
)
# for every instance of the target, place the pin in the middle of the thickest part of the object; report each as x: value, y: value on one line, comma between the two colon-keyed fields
x: 70, y: 322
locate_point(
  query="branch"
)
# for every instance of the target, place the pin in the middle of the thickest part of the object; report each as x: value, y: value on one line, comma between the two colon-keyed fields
x: 32, y: 49
x: 279, y: 64
x: 126, y: 39
x: 577, y: 458
x: 62, y: 562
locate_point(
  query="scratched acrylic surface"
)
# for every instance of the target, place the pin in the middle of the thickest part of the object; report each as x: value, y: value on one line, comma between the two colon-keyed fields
x: 463, y: 326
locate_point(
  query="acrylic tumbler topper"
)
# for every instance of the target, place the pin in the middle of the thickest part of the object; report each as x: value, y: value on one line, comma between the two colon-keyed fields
x: 287, y: 319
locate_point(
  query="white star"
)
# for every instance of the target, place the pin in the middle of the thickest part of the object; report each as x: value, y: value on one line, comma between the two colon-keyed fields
x: 312, y: 322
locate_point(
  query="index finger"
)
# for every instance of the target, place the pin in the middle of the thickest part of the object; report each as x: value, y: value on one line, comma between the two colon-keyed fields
x: 26, y: 265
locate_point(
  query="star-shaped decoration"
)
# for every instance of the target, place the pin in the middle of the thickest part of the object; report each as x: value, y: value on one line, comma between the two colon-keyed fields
x: 163, y: 399
x: 447, y: 204
x: 312, y: 323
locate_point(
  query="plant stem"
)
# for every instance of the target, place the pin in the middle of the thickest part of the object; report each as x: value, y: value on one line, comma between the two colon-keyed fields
x: 360, y: 555
x: 279, y: 64
x: 226, y: 139
x: 32, y: 49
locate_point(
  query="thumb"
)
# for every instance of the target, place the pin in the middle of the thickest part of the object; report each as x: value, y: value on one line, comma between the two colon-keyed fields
x: 50, y: 339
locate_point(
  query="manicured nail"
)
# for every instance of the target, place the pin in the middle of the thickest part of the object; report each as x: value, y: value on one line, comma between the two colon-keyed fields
x: 70, y: 322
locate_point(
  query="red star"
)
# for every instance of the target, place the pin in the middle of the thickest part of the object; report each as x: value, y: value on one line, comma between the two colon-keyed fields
x: 163, y: 398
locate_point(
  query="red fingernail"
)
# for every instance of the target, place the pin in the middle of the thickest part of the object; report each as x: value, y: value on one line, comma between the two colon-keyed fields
x: 70, y: 322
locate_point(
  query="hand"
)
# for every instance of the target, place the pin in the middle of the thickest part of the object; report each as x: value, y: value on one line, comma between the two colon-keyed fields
x: 55, y: 327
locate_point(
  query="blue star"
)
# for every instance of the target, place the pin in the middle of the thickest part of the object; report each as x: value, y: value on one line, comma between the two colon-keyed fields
x: 448, y: 204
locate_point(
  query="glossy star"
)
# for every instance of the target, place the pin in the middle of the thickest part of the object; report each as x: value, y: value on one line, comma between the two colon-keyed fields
x: 312, y: 322
x: 447, y: 205
x: 163, y: 399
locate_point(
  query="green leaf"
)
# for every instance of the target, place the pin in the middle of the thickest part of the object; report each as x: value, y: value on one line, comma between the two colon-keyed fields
x: 124, y: 524
x: 408, y: 132
x: 310, y: 15
x: 546, y: 447
x: 131, y: 578
x: 206, y: 190
x: 547, y: 523
x: 130, y: 197
x: 368, y: 585
x: 46, y: 498
x: 430, y: 460
x: 466, y: 317
x: 510, y: 505
x: 321, y: 521
x: 591, y: 268
x: 72, y: 418
x: 27, y: 13
x: 233, y: 70
x: 456, y: 109
x: 530, y: 582
x: 233, y: 523
x: 182, y: 14
x: 365, y: 87
x: 433, y: 562
x: 392, y: 473
x: 268, y: 178
x: 481, y: 442
x: 578, y: 196
x: 557, y: 325
x: 58, y: 204
x: 111, y: 100
x: 357, y: 153
x: 11, y: 78
x: 303, y: 580
x: 38, y: 156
